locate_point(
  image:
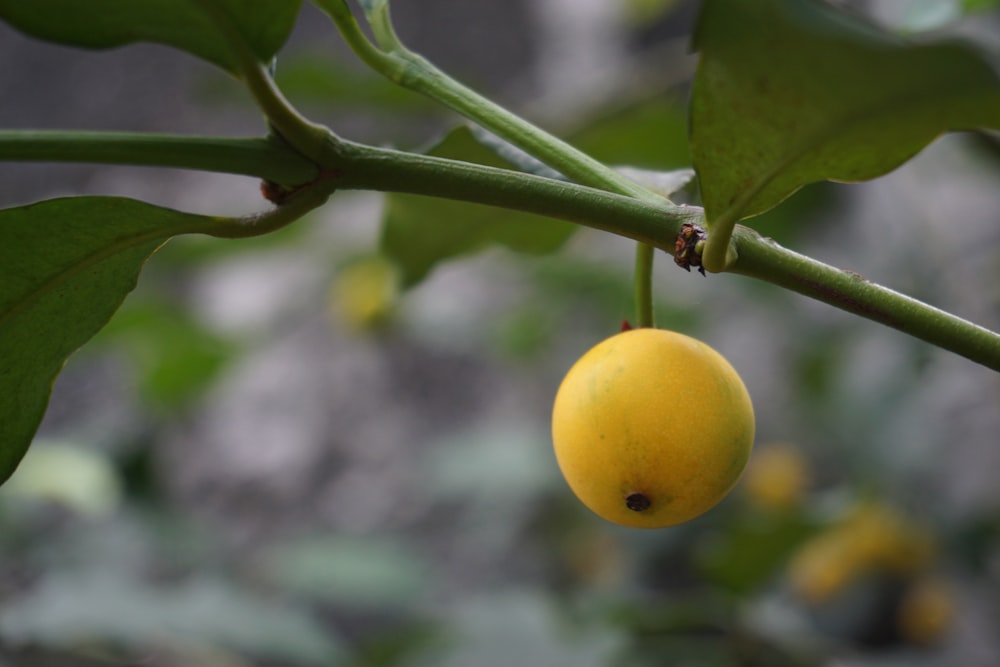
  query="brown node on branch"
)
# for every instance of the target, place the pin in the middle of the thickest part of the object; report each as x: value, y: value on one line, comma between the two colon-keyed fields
x: 687, y: 250
x: 276, y: 193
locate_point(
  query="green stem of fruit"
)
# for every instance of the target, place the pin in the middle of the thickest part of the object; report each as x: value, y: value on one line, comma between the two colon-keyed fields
x: 263, y: 158
x: 644, y: 285
x: 410, y: 70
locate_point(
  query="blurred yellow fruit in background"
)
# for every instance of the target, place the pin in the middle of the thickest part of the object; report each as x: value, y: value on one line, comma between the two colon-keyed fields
x: 777, y: 477
x: 872, y: 539
x: 926, y: 611
x: 365, y: 292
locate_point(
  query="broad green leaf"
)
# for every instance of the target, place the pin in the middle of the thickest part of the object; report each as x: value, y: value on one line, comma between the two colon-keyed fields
x: 790, y: 92
x: 418, y: 232
x: 65, y: 267
x: 182, y: 24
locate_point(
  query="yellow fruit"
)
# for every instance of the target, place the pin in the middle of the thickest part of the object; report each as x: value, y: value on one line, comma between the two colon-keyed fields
x: 872, y: 539
x: 777, y: 478
x: 927, y: 611
x: 825, y: 565
x: 365, y: 293
x: 652, y: 428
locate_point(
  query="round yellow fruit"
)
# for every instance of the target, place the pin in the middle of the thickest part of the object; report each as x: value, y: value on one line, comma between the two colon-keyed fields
x: 652, y: 428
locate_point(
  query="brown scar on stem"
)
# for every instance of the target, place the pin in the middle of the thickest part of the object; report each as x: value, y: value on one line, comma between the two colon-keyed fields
x: 279, y: 194
x: 846, y: 301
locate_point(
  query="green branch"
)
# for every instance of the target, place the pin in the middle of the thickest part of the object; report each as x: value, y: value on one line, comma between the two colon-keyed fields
x: 247, y: 156
x: 415, y: 72
x: 359, y: 167
x: 762, y: 258
x: 658, y: 224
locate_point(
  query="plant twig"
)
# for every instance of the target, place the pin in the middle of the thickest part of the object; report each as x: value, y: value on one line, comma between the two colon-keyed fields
x: 415, y: 72
x: 310, y: 139
x: 644, y: 285
x: 263, y: 158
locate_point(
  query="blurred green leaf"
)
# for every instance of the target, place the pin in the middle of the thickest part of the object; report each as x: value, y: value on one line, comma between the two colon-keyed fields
x: 524, y: 332
x: 664, y: 183
x: 320, y: 79
x: 979, y: 5
x: 573, y: 285
x: 77, y: 477
x: 523, y: 628
x: 652, y: 135
x: 419, y: 232
x: 70, y: 608
x: 102, y: 24
x: 174, y: 355
x: 640, y: 13
x: 790, y: 92
x: 753, y: 548
x: 66, y: 265
x: 353, y: 572
x: 492, y: 468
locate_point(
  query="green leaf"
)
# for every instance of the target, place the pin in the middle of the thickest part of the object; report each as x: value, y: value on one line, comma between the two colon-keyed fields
x: 652, y: 134
x: 790, y: 92
x: 175, y: 355
x: 185, y: 25
x: 359, y: 573
x: 746, y: 555
x: 98, y: 606
x: 65, y: 267
x: 419, y: 232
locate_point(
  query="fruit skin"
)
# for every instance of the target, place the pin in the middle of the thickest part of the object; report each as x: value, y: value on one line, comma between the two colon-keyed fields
x: 652, y: 415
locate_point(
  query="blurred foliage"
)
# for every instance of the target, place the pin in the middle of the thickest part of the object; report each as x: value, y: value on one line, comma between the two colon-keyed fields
x: 833, y: 548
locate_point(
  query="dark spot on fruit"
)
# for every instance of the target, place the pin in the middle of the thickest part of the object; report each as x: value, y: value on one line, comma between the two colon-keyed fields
x: 637, y: 502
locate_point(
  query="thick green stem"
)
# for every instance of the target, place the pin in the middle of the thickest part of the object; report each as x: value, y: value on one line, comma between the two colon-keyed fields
x: 368, y: 168
x: 247, y: 156
x: 644, y: 285
x: 764, y: 259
